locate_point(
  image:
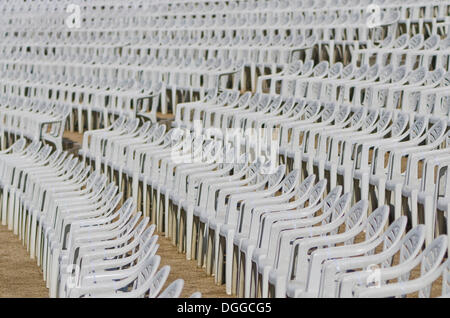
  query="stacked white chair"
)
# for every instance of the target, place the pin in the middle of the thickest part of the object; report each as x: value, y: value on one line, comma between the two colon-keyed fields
x: 68, y: 218
x: 190, y: 48
x: 309, y: 147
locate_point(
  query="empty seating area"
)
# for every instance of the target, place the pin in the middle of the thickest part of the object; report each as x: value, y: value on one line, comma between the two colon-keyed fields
x: 291, y: 149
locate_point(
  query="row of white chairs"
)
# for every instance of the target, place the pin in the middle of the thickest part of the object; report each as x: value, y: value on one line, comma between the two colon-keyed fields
x: 240, y: 220
x: 414, y: 91
x: 264, y: 49
x: 173, y: 80
x: 435, y: 11
x: 108, y: 89
x: 70, y: 219
x: 226, y: 46
x: 34, y: 119
x: 347, y: 144
x: 346, y: 28
x: 207, y: 7
x: 337, y: 76
x: 392, y: 87
x: 127, y: 15
x: 413, y: 48
x: 347, y: 72
x: 324, y: 20
x: 265, y: 228
x: 261, y: 53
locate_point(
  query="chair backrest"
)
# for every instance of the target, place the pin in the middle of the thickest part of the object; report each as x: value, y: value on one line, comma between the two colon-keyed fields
x: 317, y: 192
x: 393, y: 236
x: 339, y: 207
x: 291, y: 181
x: 376, y: 222
x: 411, y: 247
x: 19, y: 145
x: 432, y: 259
x: 277, y: 176
x: 156, y: 283
x: 173, y: 290
x: 332, y: 198
x: 418, y: 127
x: 400, y: 123
x: 356, y: 214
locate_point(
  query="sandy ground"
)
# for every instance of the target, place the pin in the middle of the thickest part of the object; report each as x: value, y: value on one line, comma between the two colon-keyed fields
x: 195, y: 279
x: 19, y: 275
